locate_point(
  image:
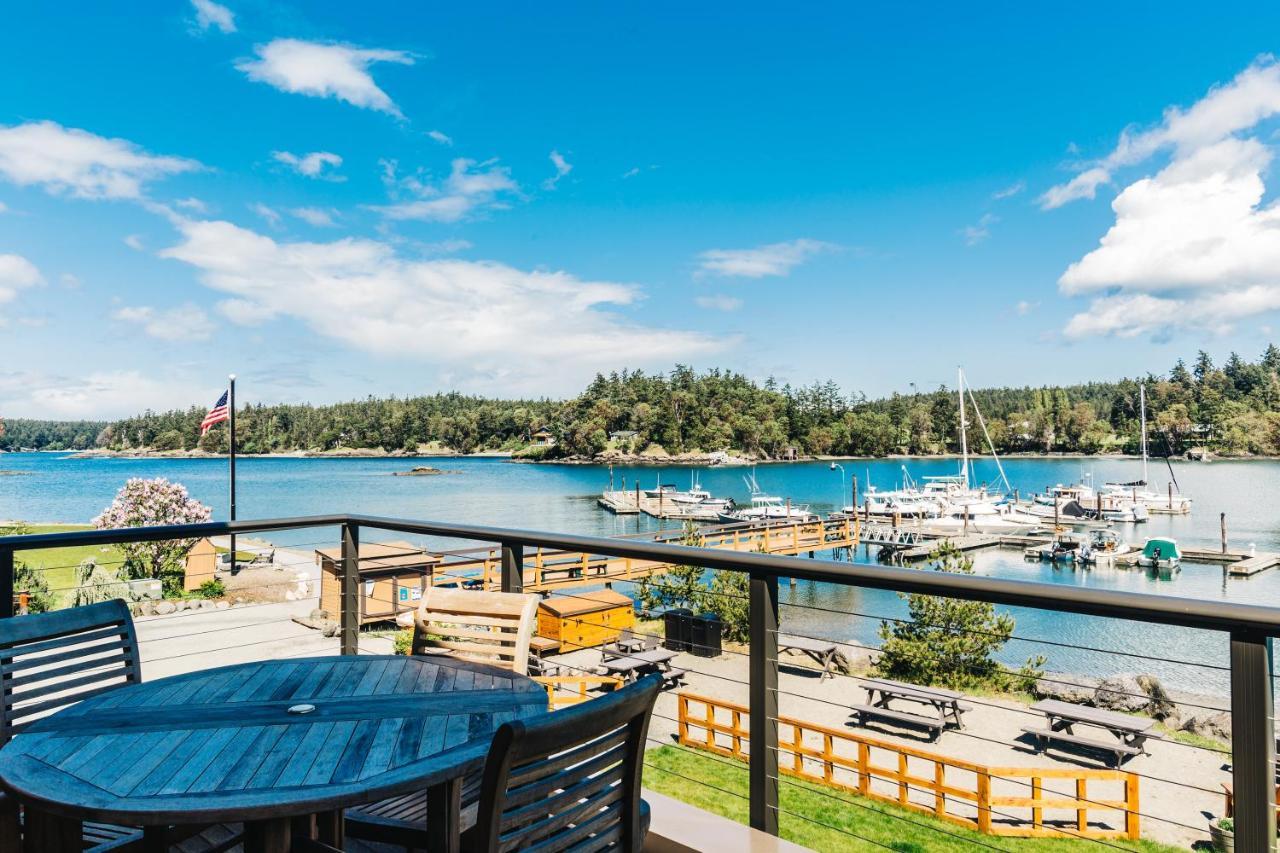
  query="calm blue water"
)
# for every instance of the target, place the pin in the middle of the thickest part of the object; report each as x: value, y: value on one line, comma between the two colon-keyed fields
x: 55, y: 487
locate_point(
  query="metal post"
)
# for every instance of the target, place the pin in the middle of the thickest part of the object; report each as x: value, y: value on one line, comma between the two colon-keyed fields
x: 512, y: 567
x: 231, y: 457
x: 350, y: 589
x: 763, y: 724
x: 1253, y: 742
x: 6, y: 583
x: 1222, y: 523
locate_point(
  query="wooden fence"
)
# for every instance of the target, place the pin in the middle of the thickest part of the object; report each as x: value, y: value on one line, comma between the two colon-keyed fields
x: 1011, y: 801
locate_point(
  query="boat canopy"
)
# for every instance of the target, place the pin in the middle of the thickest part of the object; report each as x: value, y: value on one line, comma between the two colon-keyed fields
x: 1167, y: 547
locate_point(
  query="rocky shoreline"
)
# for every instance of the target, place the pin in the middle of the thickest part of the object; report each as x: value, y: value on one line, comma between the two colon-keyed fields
x: 1141, y: 693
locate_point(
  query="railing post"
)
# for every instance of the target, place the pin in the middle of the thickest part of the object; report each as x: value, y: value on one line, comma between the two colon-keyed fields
x: 1253, y: 741
x: 764, y: 703
x: 350, y: 628
x: 6, y: 582
x: 512, y: 567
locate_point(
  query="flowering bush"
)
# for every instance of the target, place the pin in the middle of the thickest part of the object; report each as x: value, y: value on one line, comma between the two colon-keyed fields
x: 149, y: 503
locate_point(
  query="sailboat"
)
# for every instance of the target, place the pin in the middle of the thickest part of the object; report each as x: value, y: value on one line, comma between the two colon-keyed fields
x: 1172, y: 502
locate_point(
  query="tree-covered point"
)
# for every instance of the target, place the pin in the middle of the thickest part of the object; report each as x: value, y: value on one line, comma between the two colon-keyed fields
x: 24, y: 434
x: 1232, y: 409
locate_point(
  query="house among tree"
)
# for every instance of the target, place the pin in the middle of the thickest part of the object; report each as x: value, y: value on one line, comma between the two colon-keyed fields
x: 543, y: 438
x: 623, y: 436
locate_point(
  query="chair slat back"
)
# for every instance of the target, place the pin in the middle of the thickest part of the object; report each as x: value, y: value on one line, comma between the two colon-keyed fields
x: 51, y: 660
x: 490, y: 627
x: 571, y: 779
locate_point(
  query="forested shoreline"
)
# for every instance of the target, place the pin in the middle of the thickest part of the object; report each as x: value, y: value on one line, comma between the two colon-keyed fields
x: 1232, y: 409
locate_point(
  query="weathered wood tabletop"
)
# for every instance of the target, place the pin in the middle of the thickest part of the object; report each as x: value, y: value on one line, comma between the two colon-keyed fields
x: 232, y: 744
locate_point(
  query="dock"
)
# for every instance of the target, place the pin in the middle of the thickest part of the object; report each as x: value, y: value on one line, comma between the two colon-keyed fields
x: 547, y: 570
x: 635, y: 502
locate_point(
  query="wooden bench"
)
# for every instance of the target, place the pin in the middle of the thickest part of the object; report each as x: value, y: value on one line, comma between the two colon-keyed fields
x: 862, y: 712
x: 1119, y: 750
x: 673, y: 677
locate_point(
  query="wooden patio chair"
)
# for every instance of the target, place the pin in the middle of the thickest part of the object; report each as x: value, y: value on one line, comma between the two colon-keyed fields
x: 49, y: 661
x: 489, y: 627
x: 570, y: 779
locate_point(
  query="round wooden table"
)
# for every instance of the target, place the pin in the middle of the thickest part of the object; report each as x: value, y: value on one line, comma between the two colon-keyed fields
x: 232, y: 745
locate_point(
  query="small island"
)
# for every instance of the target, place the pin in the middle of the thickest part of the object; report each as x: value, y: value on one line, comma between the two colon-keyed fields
x: 422, y: 471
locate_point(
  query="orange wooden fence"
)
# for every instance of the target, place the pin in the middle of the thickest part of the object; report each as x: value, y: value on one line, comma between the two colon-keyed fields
x: 1012, y: 801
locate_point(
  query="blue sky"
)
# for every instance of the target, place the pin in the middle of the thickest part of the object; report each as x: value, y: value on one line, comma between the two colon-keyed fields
x: 334, y: 201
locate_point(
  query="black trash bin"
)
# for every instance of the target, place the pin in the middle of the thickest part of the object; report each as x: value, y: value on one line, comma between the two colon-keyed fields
x: 706, y: 634
x: 677, y: 628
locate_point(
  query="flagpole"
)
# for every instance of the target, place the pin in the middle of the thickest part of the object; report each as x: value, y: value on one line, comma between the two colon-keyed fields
x: 231, y: 403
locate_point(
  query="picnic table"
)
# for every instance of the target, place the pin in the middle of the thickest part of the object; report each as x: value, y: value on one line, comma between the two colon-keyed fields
x: 945, y: 705
x: 631, y: 666
x: 823, y: 652
x: 237, y: 744
x: 1129, y: 734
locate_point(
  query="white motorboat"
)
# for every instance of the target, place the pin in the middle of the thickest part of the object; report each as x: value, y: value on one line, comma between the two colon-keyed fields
x: 984, y: 517
x: 766, y: 508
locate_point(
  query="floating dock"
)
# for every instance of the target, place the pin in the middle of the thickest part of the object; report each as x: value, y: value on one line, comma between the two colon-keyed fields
x: 634, y: 502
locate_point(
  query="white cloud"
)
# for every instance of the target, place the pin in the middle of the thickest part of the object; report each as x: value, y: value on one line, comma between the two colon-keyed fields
x: 79, y: 163
x: 244, y: 312
x: 16, y: 273
x: 210, y: 14
x: 98, y: 395
x: 312, y: 165
x: 975, y: 234
x: 1083, y: 185
x: 193, y: 204
x: 719, y: 302
x: 464, y: 314
x: 632, y: 172
x: 470, y: 188
x: 268, y: 213
x: 315, y: 216
x: 324, y: 70
x: 134, y: 241
x: 184, y: 323
x: 1194, y: 245
x: 1024, y: 307
x: 773, y: 259
x: 3, y: 207
x: 1009, y: 191
x: 440, y: 136
x: 563, y: 167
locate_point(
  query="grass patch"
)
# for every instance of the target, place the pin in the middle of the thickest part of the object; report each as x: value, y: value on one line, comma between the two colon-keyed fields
x: 58, y: 565
x: 1196, y: 740
x: 859, y: 823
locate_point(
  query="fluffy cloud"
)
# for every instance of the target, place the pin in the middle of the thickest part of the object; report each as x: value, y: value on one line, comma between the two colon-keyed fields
x: 134, y: 241
x: 465, y: 314
x: 210, y: 14
x: 79, y: 163
x: 16, y: 273
x: 183, y: 323
x: 313, y: 165
x: 1197, y: 244
x: 268, y: 213
x: 315, y: 216
x: 324, y: 71
x: 440, y: 136
x: 98, y: 395
x: 718, y: 302
x: 774, y: 259
x: 470, y: 187
x: 975, y: 234
x: 562, y: 166
x: 1083, y: 185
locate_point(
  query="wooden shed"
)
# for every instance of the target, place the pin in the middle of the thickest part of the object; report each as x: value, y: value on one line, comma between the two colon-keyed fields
x: 201, y: 565
x: 393, y: 576
x: 585, y: 619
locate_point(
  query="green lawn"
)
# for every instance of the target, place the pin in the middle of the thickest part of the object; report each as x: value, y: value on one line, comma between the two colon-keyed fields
x: 862, y: 824
x: 59, y: 564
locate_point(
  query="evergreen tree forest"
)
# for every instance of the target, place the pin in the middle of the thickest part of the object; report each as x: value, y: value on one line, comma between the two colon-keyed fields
x: 1229, y: 409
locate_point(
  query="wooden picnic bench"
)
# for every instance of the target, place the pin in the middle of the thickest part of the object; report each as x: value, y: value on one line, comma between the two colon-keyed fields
x: 823, y: 652
x: 630, y: 667
x: 1129, y: 733
x: 945, y: 704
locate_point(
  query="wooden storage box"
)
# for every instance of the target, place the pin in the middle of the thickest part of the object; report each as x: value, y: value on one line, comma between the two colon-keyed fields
x: 393, y: 576
x: 585, y: 619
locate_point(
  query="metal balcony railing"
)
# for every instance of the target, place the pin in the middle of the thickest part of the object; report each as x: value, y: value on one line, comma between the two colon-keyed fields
x: 1247, y: 629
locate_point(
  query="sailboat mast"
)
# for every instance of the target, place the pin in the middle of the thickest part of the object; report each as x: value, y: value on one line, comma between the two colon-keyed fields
x: 964, y: 438
x: 1142, y: 405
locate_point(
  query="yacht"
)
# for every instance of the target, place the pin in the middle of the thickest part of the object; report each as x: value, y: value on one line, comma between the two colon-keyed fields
x: 699, y: 497
x: 984, y: 517
x: 765, y: 508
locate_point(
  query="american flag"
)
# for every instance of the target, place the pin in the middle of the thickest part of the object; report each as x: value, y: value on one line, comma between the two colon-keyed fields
x: 217, y: 414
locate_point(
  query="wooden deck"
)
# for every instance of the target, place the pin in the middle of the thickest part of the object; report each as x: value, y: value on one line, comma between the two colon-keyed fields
x: 550, y: 570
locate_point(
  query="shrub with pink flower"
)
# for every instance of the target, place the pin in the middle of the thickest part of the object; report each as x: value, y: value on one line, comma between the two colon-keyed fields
x: 151, y: 503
